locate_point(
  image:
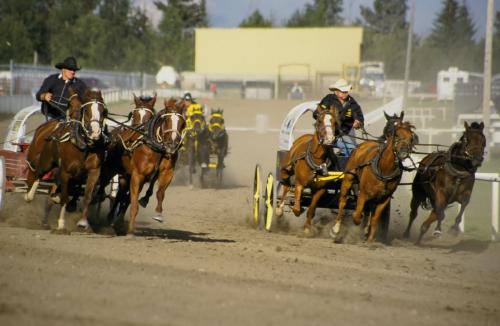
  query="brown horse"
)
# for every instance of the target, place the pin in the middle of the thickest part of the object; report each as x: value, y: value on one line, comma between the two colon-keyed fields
x: 308, y: 156
x: 77, y: 149
x: 377, y: 168
x: 446, y: 177
x: 124, y: 140
x: 154, y: 158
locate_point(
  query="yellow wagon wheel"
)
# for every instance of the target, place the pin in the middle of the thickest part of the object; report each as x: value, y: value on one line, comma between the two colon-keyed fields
x: 269, y: 209
x: 3, y: 177
x: 256, y: 195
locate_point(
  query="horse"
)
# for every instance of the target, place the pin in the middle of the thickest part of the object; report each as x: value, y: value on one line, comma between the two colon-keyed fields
x: 308, y: 156
x: 77, y: 148
x: 154, y: 159
x: 216, y: 143
x: 376, y: 167
x: 194, y: 141
x: 123, y: 140
x: 445, y: 177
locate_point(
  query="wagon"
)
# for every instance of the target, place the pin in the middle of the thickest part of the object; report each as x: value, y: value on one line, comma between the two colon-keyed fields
x: 13, y: 167
x: 266, y: 191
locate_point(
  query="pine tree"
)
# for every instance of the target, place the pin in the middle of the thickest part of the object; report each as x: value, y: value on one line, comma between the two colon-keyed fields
x: 319, y: 14
x: 387, y: 16
x: 256, y: 20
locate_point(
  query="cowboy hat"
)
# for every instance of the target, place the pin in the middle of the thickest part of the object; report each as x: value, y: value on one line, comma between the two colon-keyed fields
x: 188, y: 97
x: 68, y: 63
x: 342, y: 85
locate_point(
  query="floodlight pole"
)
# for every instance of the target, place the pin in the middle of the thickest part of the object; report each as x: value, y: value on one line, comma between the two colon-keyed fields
x: 487, y: 76
x: 408, y: 54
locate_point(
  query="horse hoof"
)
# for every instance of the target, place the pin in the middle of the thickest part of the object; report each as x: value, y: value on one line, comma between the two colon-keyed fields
x: 60, y: 232
x: 45, y: 226
x: 84, y: 224
x: 297, y: 212
x: 454, y: 231
x: 437, y: 233
x: 130, y: 236
x: 27, y: 198
x: 56, y: 199
x: 279, y: 211
x: 158, y: 218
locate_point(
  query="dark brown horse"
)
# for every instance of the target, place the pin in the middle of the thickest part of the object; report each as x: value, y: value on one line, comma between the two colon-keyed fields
x: 194, y: 142
x: 154, y: 158
x: 377, y: 168
x: 216, y: 144
x: 308, y: 157
x: 446, y: 177
x: 77, y: 149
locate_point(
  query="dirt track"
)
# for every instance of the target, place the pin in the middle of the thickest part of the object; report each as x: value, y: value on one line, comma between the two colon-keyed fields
x: 208, y: 266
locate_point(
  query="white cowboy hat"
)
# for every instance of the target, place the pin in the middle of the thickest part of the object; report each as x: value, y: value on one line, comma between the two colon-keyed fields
x: 342, y: 85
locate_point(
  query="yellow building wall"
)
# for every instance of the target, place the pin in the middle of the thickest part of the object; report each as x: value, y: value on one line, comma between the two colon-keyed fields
x: 259, y: 51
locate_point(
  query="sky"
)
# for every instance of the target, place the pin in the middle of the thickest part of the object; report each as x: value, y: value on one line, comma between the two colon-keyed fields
x: 229, y: 13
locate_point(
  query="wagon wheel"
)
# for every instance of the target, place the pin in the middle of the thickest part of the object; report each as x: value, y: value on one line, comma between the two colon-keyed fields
x: 256, y: 195
x: 269, y: 202
x: 2, y: 181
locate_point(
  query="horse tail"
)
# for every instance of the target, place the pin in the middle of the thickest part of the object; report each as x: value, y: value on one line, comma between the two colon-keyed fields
x: 418, y: 190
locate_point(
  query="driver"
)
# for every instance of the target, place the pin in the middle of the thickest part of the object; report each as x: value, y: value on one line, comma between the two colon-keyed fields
x: 349, y: 114
x: 54, y: 91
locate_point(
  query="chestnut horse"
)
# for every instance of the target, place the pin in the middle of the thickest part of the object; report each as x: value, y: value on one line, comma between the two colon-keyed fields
x: 308, y: 156
x: 446, y: 177
x: 77, y: 149
x: 377, y: 168
x: 154, y: 158
x: 124, y: 139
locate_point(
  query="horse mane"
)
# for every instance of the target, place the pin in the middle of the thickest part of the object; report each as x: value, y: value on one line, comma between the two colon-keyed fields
x: 93, y: 94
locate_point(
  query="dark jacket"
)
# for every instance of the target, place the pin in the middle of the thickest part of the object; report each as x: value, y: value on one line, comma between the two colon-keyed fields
x: 59, y: 88
x: 347, y: 113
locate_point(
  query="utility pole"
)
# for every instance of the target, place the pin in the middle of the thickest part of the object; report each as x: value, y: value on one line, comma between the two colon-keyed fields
x: 408, y: 54
x: 487, y: 76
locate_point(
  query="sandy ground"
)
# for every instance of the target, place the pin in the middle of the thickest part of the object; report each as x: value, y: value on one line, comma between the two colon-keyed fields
x: 207, y: 265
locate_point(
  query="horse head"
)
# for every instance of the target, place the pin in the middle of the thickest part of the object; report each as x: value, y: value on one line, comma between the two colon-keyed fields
x: 92, y: 113
x: 196, y: 123
x: 325, y: 126
x: 216, y: 125
x: 391, y: 121
x: 473, y: 143
x: 404, y: 139
x: 144, y: 109
x: 171, y: 130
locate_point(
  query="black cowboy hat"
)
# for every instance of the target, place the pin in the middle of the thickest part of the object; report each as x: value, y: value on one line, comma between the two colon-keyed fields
x: 188, y: 97
x: 68, y: 63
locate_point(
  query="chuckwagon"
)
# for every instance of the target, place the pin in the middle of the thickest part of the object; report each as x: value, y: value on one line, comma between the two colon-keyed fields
x: 267, y: 192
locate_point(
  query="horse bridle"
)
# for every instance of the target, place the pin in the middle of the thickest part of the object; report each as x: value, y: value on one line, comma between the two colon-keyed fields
x: 322, y: 129
x: 82, y: 116
x: 466, y: 149
x: 143, y: 108
x: 160, y: 133
x: 406, y: 145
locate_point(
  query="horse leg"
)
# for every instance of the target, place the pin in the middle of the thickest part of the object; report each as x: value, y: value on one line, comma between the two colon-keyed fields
x: 357, y: 216
x: 455, y: 229
x: 344, y: 189
x: 281, y: 203
x: 61, y: 222
x: 312, y: 210
x: 297, y: 207
x: 136, y: 182
x: 92, y: 178
x: 437, y: 213
x: 415, y: 203
x: 163, y: 183
x: 375, y: 217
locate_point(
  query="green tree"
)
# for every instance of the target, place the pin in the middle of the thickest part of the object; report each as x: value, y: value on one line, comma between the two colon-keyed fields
x: 321, y: 13
x: 256, y: 20
x: 385, y: 35
x: 451, y: 43
x: 176, y: 31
